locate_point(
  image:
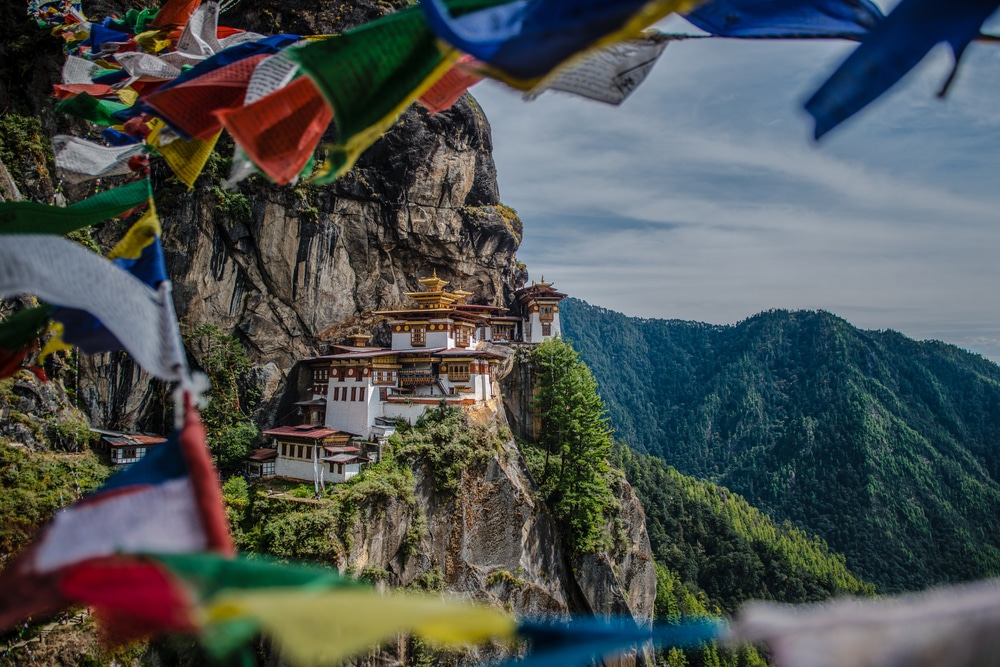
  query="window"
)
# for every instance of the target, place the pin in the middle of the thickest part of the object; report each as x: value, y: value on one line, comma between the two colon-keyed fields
x: 336, y: 393
x: 267, y: 469
x: 546, y: 329
x: 418, y: 336
x: 284, y: 449
x: 343, y: 394
x: 458, y: 372
x: 301, y: 450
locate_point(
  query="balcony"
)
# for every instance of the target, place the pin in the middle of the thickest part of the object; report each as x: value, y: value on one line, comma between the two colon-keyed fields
x: 415, y: 377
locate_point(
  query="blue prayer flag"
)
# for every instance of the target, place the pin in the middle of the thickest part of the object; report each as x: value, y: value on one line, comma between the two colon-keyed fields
x: 891, y: 50
x: 526, y: 39
x: 846, y: 19
x: 581, y: 641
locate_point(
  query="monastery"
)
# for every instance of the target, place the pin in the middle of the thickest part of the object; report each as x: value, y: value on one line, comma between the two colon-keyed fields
x: 358, y: 392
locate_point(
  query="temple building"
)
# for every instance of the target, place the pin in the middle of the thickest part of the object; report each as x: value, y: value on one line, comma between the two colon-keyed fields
x: 437, y: 355
x: 540, y: 304
x: 433, y: 358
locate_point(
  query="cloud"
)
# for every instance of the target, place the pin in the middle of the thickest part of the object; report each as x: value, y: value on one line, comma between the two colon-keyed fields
x: 703, y: 198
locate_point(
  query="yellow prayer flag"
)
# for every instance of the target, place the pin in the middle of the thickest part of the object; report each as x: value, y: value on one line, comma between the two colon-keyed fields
x: 185, y: 158
x: 127, y: 96
x: 329, y: 626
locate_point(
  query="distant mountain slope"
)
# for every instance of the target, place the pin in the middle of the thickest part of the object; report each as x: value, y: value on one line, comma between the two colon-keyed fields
x: 714, y: 540
x: 886, y: 447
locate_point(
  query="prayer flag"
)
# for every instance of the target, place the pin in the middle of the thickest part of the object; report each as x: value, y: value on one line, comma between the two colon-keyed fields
x: 443, y: 94
x: 955, y: 625
x: 190, y: 106
x: 64, y: 273
x: 845, y: 19
x: 525, y: 40
x: 370, y: 74
x: 891, y: 50
x: 329, y: 626
x: 174, y: 13
x: 147, y: 67
x: 185, y: 158
x: 167, y: 502
x: 90, y: 108
x: 200, y: 36
x: 62, y: 91
x: 280, y: 131
x: 140, y: 253
x: 78, y: 70
x: 581, y: 641
x: 609, y: 74
x: 81, y: 160
x: 32, y: 218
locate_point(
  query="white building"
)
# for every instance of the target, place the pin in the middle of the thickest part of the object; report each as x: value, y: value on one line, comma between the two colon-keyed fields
x: 357, y: 392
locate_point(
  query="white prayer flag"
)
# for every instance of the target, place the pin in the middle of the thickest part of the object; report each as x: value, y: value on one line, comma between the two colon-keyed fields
x: 607, y: 75
x: 66, y: 274
x: 957, y: 626
x: 81, y: 160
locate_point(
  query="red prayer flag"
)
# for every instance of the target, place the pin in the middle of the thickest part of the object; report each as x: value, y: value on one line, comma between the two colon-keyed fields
x: 190, y: 106
x: 63, y: 91
x: 280, y: 131
x: 443, y: 94
x: 174, y: 13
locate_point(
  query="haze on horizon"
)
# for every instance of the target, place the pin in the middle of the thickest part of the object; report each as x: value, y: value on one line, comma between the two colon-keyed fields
x: 703, y: 197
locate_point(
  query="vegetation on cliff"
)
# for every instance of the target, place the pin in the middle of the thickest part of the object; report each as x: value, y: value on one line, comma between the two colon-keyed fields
x: 569, y: 461
x: 884, y: 446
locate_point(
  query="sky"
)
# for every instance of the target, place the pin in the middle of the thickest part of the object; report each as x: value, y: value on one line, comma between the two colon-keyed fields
x: 703, y: 197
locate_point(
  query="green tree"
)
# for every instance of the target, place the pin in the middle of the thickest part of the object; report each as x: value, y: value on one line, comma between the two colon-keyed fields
x: 231, y: 433
x: 576, y: 439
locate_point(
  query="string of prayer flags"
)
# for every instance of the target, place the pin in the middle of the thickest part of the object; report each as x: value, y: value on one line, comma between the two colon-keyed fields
x: 369, y: 75
x: 280, y: 131
x: 64, y: 273
x: 186, y: 158
x: 141, y: 254
x: 190, y: 106
x: 582, y: 641
x: 81, y: 160
x: 443, y: 94
x: 891, y: 50
x: 525, y: 40
x: 33, y: 218
x: 843, y: 19
x: 956, y: 626
x: 609, y: 74
x: 167, y: 502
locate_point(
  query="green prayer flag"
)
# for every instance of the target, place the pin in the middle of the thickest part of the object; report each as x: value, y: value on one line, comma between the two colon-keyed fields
x: 21, y: 217
x: 23, y: 326
x: 370, y: 74
x: 90, y: 108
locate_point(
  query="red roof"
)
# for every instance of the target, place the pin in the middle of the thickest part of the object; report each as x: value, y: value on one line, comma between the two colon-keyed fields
x: 311, y: 431
x: 263, y: 454
x: 133, y: 439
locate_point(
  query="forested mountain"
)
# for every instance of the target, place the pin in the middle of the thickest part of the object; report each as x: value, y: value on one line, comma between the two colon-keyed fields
x: 888, y: 448
x: 716, y: 543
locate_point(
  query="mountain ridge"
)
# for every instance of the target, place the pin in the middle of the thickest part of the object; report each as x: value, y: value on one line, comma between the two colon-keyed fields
x: 884, y: 446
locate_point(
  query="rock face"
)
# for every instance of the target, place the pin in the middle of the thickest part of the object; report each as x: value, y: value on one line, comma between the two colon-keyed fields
x: 494, y: 542
x: 281, y: 267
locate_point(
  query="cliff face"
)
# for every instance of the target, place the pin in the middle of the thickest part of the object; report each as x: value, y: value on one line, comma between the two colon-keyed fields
x: 285, y: 269
x: 494, y: 542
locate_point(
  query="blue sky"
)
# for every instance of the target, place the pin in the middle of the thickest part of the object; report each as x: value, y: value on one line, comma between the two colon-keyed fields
x: 703, y: 197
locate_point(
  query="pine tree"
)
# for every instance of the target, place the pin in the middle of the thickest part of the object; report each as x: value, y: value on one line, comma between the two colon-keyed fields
x: 576, y: 439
